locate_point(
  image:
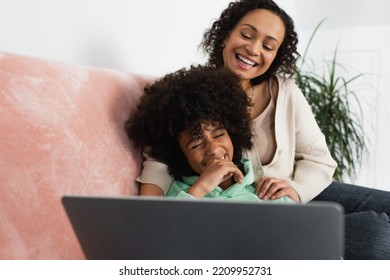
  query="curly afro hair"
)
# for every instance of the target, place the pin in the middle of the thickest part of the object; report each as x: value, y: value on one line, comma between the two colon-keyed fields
x: 213, y: 38
x: 184, y: 100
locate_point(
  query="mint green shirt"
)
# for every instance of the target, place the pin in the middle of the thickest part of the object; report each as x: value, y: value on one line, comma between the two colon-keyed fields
x: 241, y: 192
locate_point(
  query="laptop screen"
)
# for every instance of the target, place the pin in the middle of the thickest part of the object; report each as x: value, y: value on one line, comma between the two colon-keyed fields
x: 164, y: 228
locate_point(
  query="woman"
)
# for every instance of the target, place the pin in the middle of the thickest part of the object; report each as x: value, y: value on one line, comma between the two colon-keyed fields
x: 256, y: 41
x: 197, y: 121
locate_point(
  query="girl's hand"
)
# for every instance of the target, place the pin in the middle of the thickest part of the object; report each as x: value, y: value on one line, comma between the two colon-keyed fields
x: 273, y: 188
x: 215, y: 172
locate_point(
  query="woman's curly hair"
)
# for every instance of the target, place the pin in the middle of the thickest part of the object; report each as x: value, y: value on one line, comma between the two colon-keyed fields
x: 184, y: 100
x: 213, y: 38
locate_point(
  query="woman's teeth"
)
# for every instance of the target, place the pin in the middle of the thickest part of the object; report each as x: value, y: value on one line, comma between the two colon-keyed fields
x: 245, y: 60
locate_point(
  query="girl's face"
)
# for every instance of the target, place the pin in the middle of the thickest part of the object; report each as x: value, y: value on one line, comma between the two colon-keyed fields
x: 215, y: 143
x: 253, y: 43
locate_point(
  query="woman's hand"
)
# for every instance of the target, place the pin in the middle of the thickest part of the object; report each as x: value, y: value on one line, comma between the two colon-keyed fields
x: 216, y: 172
x: 273, y: 188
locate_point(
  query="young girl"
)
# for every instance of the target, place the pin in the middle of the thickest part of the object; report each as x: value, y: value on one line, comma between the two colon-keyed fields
x: 256, y: 40
x: 197, y: 122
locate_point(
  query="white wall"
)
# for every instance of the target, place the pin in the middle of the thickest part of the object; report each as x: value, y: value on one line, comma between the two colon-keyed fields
x: 148, y: 36
x: 159, y: 36
x: 361, y: 32
x: 145, y: 36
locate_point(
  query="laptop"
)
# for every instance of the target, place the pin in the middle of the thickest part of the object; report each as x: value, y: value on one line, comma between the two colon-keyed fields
x: 161, y: 228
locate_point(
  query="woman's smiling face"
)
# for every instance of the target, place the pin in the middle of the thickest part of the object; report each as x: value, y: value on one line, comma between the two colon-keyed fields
x: 253, y: 43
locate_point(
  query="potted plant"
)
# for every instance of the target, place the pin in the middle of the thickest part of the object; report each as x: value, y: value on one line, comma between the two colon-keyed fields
x: 329, y: 95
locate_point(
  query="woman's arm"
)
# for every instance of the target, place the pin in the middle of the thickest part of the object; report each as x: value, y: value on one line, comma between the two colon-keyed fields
x: 302, y: 159
x: 155, y: 179
x: 150, y: 190
x: 313, y: 165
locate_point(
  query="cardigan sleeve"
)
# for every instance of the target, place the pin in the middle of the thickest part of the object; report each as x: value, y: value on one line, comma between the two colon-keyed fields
x: 156, y: 173
x: 313, y: 172
x: 313, y: 164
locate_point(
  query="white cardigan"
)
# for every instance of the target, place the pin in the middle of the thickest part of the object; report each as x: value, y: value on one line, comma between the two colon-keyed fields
x: 302, y: 157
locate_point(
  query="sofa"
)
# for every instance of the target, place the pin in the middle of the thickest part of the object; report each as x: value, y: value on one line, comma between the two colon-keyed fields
x: 61, y: 133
